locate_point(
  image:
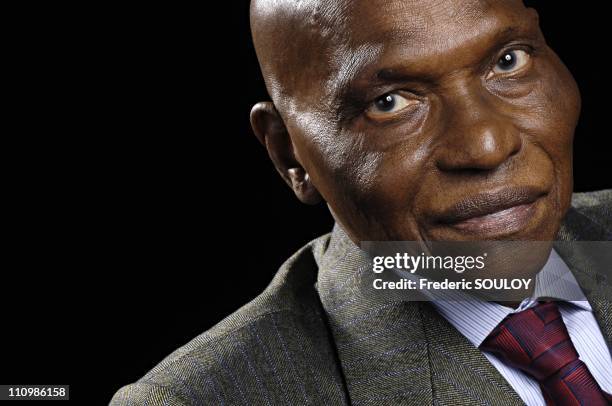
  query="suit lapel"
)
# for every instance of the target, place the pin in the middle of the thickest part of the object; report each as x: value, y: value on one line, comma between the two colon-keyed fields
x: 401, y: 353
x: 460, y: 372
x: 602, y: 309
x: 381, y: 346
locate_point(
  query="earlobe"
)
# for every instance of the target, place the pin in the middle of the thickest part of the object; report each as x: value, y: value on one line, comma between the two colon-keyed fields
x: 302, y: 186
x: 270, y: 130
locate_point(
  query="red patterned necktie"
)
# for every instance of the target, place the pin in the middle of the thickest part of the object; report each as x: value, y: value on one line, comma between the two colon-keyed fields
x: 536, y: 341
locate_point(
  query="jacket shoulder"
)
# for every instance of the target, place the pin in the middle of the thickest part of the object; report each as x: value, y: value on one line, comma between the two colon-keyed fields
x: 274, y: 350
x: 596, y: 206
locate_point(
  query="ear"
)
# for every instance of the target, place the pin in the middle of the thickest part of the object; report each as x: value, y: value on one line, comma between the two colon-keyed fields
x: 270, y: 129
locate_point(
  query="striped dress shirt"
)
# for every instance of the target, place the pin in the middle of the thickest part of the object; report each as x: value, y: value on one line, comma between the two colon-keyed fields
x: 475, y: 319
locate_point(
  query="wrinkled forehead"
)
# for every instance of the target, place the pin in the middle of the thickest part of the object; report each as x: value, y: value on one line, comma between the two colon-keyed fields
x: 423, y: 22
x: 419, y: 30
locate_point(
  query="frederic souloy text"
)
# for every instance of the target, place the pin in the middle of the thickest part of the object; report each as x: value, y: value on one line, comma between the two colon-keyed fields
x: 477, y: 284
x: 412, y: 263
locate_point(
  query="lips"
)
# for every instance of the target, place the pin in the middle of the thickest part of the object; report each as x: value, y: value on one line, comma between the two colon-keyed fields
x: 505, y: 209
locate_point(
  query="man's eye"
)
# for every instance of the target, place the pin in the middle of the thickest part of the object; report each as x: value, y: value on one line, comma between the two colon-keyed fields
x: 388, y: 105
x: 511, y: 61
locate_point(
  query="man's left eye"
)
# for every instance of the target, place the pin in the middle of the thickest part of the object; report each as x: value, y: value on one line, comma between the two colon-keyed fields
x: 511, y: 61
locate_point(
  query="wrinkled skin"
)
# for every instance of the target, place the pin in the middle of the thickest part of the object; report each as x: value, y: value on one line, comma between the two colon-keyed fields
x: 468, y: 128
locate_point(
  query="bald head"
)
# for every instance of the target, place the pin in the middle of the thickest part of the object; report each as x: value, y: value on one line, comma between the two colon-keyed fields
x: 293, y: 39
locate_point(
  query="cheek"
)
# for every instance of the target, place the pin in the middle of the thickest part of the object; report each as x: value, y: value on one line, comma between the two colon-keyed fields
x: 399, y: 177
x: 349, y: 180
x: 342, y: 171
x: 560, y: 94
x: 549, y: 112
x: 567, y: 119
x: 340, y: 166
x: 369, y: 191
x: 548, y: 116
x: 382, y: 193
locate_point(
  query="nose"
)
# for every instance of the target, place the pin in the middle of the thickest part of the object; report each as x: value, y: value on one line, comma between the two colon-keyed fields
x: 478, y: 136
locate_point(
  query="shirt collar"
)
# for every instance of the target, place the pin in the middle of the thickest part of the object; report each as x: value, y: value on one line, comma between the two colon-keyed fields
x: 475, y: 318
x: 556, y: 281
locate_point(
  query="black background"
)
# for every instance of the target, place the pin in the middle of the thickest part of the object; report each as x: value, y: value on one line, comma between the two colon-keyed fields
x: 140, y: 208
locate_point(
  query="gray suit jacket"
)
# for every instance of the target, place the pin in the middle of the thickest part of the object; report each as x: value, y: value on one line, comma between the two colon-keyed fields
x: 312, y: 338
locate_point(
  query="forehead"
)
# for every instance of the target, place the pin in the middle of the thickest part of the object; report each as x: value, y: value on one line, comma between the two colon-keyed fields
x: 423, y: 21
x: 420, y: 30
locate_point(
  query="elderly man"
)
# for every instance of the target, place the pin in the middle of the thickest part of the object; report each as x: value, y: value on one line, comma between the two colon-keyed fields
x: 414, y: 121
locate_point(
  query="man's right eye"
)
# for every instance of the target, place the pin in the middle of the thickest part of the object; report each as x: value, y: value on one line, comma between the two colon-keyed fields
x: 388, y: 106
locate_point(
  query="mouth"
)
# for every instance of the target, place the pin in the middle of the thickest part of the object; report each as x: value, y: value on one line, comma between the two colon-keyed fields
x: 498, y: 212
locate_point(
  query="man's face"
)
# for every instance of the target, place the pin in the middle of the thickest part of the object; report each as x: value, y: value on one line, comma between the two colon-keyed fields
x: 437, y: 120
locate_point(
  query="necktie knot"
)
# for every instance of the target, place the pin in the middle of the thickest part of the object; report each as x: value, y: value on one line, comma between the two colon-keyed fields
x: 536, y: 341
